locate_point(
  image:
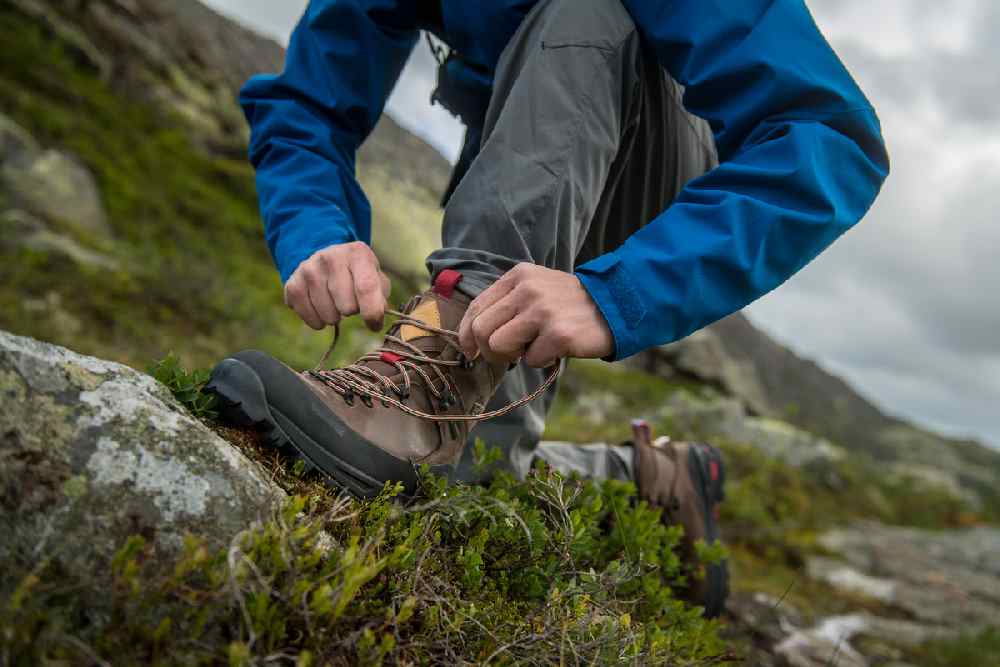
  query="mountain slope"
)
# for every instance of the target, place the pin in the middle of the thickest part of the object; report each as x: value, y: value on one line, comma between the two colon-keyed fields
x: 772, y: 381
x: 130, y: 105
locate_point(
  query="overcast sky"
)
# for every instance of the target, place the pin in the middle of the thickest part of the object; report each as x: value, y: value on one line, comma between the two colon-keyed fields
x: 907, y: 305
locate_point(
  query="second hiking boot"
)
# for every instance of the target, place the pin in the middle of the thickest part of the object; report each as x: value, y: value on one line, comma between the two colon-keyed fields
x: 377, y: 419
x: 686, y: 480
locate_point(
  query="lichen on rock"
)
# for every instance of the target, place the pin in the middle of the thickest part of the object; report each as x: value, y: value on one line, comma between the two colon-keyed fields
x: 92, y: 451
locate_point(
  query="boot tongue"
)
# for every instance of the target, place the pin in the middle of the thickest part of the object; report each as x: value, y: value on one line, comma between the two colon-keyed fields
x: 436, y: 308
x: 440, y: 307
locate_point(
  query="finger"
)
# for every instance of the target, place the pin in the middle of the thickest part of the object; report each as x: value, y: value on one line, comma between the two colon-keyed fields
x: 488, y: 297
x: 368, y: 293
x: 544, y: 351
x: 341, y: 287
x: 491, y: 319
x: 322, y: 303
x: 297, y: 298
x: 512, y: 339
x: 386, y: 285
x: 303, y: 307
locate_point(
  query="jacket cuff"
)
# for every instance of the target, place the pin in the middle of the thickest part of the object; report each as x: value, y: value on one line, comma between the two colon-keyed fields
x: 613, y: 289
x: 297, y: 239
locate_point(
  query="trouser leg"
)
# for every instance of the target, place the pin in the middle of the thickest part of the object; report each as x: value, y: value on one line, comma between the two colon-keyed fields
x: 584, y: 142
x: 595, y: 461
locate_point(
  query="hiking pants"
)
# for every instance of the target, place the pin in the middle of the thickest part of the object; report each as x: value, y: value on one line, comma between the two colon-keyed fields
x: 585, y: 141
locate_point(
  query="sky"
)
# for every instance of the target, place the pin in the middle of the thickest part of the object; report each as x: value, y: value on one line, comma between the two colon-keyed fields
x: 906, y: 306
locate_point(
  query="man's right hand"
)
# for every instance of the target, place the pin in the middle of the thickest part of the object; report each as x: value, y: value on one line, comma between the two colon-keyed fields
x: 337, y: 282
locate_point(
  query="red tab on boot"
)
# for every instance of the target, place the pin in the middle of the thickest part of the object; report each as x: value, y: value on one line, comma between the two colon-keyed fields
x: 390, y: 357
x: 713, y: 470
x: 446, y: 281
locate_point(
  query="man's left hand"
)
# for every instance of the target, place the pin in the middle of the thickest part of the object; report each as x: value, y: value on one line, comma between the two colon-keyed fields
x: 540, y: 314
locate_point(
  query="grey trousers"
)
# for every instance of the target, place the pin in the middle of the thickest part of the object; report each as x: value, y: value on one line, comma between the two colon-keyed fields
x: 585, y: 141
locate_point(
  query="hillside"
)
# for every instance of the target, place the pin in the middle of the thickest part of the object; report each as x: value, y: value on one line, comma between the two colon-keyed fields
x: 129, y: 229
x: 772, y: 381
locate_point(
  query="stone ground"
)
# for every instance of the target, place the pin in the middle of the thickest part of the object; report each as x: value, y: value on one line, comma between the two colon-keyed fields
x: 932, y: 584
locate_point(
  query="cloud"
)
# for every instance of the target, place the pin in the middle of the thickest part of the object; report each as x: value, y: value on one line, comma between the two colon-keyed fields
x: 907, y: 305
x: 274, y: 19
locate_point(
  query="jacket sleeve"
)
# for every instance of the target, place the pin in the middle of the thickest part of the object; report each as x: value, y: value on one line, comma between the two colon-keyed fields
x: 308, y: 122
x: 801, y: 161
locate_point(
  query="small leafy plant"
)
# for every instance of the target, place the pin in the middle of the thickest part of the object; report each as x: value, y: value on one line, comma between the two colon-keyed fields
x: 548, y: 571
x: 186, y: 386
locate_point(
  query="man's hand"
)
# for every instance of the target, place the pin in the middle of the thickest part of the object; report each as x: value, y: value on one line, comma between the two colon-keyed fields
x: 536, y: 313
x: 338, y: 282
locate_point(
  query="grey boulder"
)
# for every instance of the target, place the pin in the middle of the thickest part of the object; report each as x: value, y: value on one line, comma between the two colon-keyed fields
x: 92, y: 452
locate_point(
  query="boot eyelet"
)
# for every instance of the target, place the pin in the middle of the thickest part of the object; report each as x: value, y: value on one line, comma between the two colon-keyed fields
x: 367, y: 400
x: 447, y: 400
x: 403, y: 395
x: 348, y: 397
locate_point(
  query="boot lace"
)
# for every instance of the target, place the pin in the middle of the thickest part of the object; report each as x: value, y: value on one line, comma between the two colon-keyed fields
x: 360, y: 380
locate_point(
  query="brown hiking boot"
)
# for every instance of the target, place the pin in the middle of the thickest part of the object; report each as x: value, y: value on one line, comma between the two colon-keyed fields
x: 412, y: 401
x: 686, y: 480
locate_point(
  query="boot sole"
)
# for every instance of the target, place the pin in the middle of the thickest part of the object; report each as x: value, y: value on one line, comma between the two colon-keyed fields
x: 701, y: 460
x: 243, y: 401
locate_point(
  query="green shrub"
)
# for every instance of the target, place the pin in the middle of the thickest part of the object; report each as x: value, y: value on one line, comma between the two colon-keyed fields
x: 546, y: 571
x: 186, y: 387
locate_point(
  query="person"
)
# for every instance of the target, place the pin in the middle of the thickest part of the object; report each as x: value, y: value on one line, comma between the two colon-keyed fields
x: 632, y: 171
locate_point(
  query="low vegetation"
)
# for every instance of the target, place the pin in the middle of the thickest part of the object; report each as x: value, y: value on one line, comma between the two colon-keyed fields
x: 545, y: 571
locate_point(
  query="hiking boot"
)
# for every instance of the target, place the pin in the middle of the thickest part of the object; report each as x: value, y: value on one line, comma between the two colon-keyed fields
x: 686, y: 481
x: 412, y: 401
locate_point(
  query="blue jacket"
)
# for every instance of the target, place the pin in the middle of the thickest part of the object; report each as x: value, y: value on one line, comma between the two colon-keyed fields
x: 800, y: 148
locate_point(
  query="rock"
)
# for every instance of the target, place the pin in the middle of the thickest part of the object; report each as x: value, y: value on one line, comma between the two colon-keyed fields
x: 942, y: 578
x: 829, y: 641
x: 766, y: 617
x: 14, y: 139
x: 706, y: 413
x: 92, y: 452
x: 703, y: 355
x: 846, y: 578
x: 26, y: 231
x: 54, y: 186
x: 712, y: 416
x: 945, y: 584
x: 783, y: 441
